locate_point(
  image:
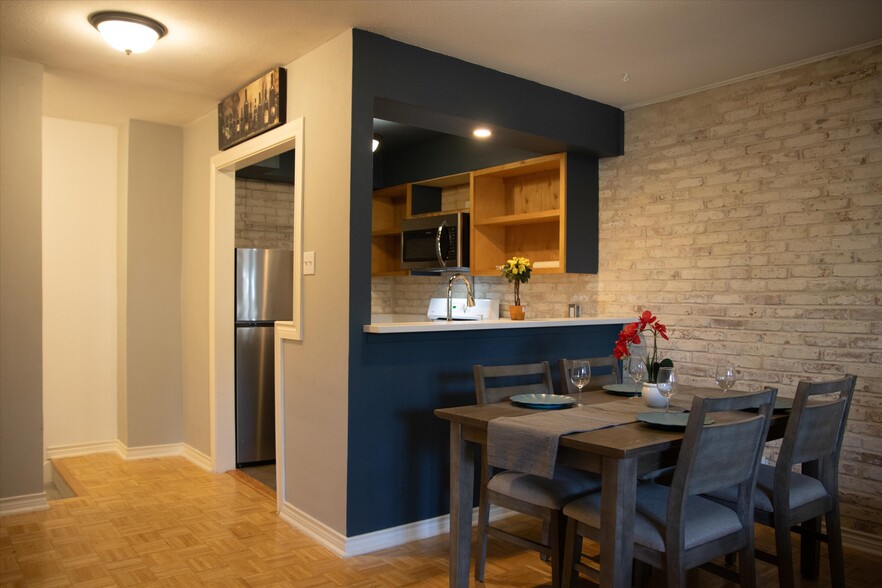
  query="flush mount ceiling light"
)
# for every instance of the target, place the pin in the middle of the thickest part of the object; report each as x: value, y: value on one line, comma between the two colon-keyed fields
x: 127, y: 32
x: 482, y: 133
x: 376, y: 142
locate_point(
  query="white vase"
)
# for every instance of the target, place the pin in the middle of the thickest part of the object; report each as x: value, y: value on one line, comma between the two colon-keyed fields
x: 652, y: 396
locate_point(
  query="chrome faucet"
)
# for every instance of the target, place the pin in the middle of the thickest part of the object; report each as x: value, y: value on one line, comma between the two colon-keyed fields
x: 469, y: 297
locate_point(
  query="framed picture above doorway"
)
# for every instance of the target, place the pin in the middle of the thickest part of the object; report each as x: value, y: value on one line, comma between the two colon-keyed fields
x: 253, y: 109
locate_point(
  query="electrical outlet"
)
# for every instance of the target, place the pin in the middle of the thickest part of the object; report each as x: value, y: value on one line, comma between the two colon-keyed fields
x: 309, y: 263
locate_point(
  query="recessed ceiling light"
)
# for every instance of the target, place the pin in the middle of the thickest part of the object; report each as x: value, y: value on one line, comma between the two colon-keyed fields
x: 482, y: 133
x: 127, y: 32
x: 376, y: 141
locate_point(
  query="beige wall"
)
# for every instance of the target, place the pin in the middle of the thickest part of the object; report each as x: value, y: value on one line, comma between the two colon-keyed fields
x: 79, y: 283
x: 320, y: 90
x: 200, y: 144
x: 154, y: 198
x: 21, y: 367
x: 122, y: 235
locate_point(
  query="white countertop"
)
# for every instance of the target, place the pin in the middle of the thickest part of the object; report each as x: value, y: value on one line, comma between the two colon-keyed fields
x: 426, y: 326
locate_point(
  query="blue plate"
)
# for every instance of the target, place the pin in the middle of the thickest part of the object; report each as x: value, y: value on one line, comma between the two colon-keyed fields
x: 623, y: 389
x: 671, y: 421
x: 543, y: 401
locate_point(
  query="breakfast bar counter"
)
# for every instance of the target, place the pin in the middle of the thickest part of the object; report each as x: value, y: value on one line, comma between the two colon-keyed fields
x: 427, y: 326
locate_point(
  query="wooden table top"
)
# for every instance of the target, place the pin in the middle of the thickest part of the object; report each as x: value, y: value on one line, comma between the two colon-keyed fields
x: 622, y: 441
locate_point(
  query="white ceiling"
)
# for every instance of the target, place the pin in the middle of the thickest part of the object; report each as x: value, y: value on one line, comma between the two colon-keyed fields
x: 667, y: 47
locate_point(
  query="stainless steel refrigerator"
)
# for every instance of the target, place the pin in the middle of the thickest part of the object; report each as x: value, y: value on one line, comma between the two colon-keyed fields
x: 263, y: 296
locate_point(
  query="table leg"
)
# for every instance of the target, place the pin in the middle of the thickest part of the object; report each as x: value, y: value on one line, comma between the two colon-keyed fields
x: 617, y: 502
x: 462, y: 476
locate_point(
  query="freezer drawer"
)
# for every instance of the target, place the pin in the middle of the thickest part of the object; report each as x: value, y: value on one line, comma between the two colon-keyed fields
x: 255, y: 398
x: 264, y: 285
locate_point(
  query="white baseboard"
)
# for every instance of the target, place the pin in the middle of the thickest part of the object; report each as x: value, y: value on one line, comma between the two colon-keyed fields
x: 59, y: 451
x: 862, y: 541
x: 369, y: 542
x: 314, y: 529
x: 197, y: 457
x: 146, y: 451
x: 23, y: 504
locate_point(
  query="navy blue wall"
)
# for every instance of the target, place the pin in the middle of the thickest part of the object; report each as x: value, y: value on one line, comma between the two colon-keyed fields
x: 397, y: 450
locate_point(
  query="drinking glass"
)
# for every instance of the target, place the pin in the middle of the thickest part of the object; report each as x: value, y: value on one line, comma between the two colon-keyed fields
x: 667, y: 384
x: 580, y: 375
x: 637, y: 370
x: 725, y: 376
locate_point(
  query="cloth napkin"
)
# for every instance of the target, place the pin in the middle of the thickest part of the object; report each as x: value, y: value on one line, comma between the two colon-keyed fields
x: 529, y: 443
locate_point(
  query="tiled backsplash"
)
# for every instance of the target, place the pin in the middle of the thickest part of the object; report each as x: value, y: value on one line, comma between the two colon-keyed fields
x: 545, y: 296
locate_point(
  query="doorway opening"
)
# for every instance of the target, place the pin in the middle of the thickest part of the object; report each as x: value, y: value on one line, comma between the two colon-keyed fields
x: 222, y: 297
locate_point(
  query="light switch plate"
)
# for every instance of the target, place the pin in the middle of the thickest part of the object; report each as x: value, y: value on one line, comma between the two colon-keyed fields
x: 309, y: 263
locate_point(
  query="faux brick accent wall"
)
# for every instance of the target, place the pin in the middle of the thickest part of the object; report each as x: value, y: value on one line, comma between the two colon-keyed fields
x: 264, y: 214
x: 749, y: 219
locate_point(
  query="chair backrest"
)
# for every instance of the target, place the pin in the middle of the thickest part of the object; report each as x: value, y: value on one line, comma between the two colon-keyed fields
x: 525, y: 378
x: 723, y: 453
x: 815, y: 430
x: 604, y: 370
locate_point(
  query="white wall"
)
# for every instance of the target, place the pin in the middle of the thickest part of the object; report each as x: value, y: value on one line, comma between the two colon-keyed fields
x: 79, y: 282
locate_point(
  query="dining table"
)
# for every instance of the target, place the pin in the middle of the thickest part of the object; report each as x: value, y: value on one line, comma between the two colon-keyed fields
x: 620, y: 454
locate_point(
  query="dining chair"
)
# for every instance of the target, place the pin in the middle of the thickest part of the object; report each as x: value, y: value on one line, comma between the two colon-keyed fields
x: 792, y: 501
x: 535, y: 496
x: 604, y: 370
x: 675, y: 528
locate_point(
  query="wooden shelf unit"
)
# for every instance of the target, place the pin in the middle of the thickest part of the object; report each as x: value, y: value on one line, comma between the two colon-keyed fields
x: 520, y: 209
x: 388, y: 208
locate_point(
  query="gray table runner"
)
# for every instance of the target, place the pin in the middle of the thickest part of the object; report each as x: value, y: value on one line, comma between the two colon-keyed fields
x: 529, y: 443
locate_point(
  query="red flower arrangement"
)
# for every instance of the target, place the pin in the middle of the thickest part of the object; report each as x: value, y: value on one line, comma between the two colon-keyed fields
x: 631, y: 335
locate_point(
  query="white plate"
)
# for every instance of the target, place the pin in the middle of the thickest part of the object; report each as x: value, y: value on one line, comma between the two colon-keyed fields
x: 546, y: 401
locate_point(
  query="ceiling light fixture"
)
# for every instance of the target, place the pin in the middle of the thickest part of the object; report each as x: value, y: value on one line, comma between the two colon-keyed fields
x: 127, y: 32
x: 482, y: 133
x: 376, y: 142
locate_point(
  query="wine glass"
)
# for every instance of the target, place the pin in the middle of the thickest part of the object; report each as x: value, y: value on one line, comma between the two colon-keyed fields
x: 666, y: 380
x: 580, y: 375
x: 725, y: 376
x: 637, y: 370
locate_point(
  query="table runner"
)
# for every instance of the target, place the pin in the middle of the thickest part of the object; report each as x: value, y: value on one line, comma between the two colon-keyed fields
x: 529, y: 443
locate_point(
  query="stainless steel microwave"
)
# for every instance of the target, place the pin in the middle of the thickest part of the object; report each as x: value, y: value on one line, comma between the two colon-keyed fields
x: 436, y: 243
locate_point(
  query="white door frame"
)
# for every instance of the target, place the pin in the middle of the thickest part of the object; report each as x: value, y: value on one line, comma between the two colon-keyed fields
x: 222, y: 207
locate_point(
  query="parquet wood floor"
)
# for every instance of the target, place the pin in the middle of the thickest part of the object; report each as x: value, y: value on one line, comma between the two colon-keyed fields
x: 165, y: 522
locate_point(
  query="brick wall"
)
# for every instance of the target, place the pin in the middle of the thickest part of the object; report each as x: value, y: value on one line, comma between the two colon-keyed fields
x: 264, y: 214
x: 749, y: 219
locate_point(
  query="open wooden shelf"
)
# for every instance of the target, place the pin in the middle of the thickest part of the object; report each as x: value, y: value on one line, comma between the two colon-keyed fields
x: 519, y: 209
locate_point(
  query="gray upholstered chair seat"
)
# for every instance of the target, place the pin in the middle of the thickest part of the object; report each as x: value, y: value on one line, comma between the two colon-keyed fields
x: 705, y: 520
x: 567, y: 485
x: 803, y: 489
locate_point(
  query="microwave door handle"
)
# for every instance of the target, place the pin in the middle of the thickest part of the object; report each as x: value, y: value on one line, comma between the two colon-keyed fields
x: 438, y: 244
